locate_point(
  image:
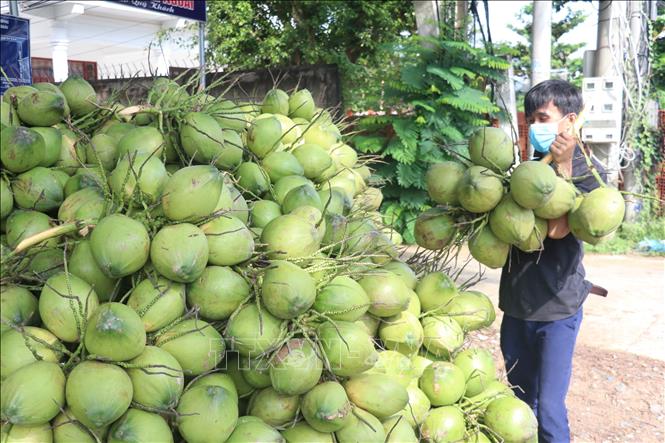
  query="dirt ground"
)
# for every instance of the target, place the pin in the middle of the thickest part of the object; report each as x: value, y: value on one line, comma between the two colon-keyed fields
x: 617, y: 392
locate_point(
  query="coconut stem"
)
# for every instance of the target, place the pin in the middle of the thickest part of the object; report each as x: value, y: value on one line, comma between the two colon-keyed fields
x: 45, y: 235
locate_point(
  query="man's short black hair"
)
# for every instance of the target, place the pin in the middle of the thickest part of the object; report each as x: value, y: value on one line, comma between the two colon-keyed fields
x: 564, y: 95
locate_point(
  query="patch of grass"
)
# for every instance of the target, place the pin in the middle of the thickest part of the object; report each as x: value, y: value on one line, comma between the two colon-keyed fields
x: 629, y: 235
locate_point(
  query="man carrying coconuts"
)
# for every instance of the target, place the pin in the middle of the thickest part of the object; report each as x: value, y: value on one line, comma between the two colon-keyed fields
x: 541, y: 293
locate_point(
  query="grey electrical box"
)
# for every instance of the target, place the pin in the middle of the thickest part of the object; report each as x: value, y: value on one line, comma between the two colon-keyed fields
x: 603, y: 100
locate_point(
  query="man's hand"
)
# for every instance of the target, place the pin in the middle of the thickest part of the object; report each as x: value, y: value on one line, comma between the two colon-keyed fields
x: 562, y: 150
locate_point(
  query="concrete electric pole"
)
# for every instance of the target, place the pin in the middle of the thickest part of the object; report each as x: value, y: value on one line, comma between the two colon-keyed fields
x: 427, y: 17
x: 541, y: 42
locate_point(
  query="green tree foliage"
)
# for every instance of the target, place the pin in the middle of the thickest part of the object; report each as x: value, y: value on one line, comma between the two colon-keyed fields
x: 442, y: 92
x: 658, y: 49
x: 562, y: 53
x: 261, y: 34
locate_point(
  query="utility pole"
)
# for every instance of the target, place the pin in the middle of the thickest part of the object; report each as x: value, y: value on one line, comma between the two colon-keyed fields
x: 13, y: 8
x: 427, y: 17
x: 541, y: 42
x: 461, y: 15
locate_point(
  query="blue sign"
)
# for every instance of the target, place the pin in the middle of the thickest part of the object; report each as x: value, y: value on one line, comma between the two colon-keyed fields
x: 191, y: 9
x: 14, y: 52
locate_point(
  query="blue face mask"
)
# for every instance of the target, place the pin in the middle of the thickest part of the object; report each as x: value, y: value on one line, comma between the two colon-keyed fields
x: 542, y: 135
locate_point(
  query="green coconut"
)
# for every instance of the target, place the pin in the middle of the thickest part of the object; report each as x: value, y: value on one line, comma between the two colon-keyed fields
x: 443, y: 383
x: 369, y: 200
x: 562, y: 201
x: 115, y: 332
x: 275, y: 101
x: 536, y: 238
x: 510, y: 419
x: 254, y: 429
x: 165, y: 92
x: 38, y: 189
x: 598, y: 214
x: 510, y: 222
x: 234, y: 148
x: 137, y: 425
x: 403, y: 271
x: 347, y: 346
x: 287, y: 290
x: 228, y: 115
x: 72, y: 152
x: 229, y: 241
x: 192, y: 192
x: 301, y: 432
x: 26, y: 434
x: 295, y: 368
x: 117, y: 130
x: 52, y: 144
x: 98, y: 393
x: 435, y: 229
x: 472, y: 310
x: 402, y: 332
x: 138, y: 178
x: 264, y: 136
x: 487, y: 249
x: 120, y: 245
x: 362, y: 427
x: 157, y: 379
x: 532, y: 184
x: 435, y: 290
x: 479, y: 190
x: 17, y: 92
x: 492, y: 389
x: 6, y: 199
x: 196, y: 345
x: 217, y: 379
x: 286, y: 184
x: 290, y: 236
x: 66, y: 428
x: 145, y: 140
x: 478, y: 368
x: 232, y: 368
x: 304, y: 195
x: 342, y: 299
x: 33, y: 395
x: 207, y: 414
x: 314, y: 159
x: 239, y: 206
x: 21, y: 149
x: 80, y: 95
x: 280, y: 164
x: 301, y: 104
x: 64, y: 302
x: 443, y: 335
x: 42, y: 108
x: 84, y: 178
x: 326, y: 407
x: 416, y: 410
x: 335, y: 201
x: 252, y: 331
x: 203, y: 139
x: 256, y: 371
x: 380, y: 395
x: 23, y: 224
x: 395, y: 365
x: 274, y: 408
x: 179, y: 252
x: 217, y: 293
x: 18, y: 307
x: 83, y: 265
x: 20, y: 348
x: 85, y: 205
x: 398, y: 430
x: 442, y: 180
x: 492, y: 148
x: 252, y: 178
x: 443, y: 424
x: 263, y: 212
x: 387, y: 293
x: 45, y: 262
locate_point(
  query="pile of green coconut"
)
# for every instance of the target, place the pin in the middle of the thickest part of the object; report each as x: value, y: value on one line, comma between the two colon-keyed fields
x: 193, y: 269
x: 494, y: 203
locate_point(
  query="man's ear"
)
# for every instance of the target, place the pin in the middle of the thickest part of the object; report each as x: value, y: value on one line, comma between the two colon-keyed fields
x: 569, y: 122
